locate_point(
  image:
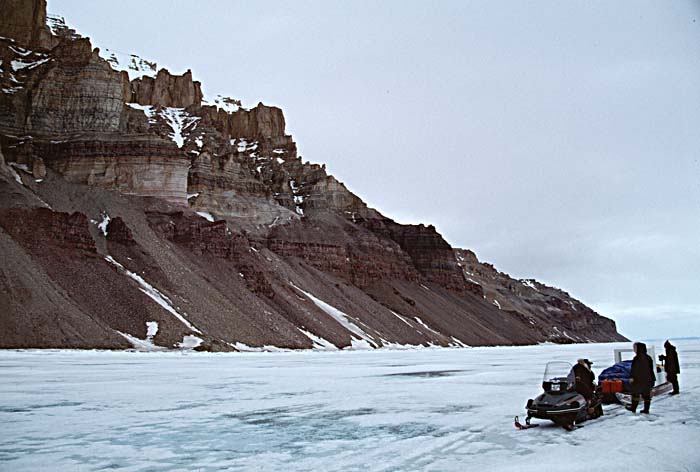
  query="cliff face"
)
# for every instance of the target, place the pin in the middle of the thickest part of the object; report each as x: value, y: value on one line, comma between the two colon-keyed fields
x: 128, y: 198
x: 26, y: 22
x: 554, y: 313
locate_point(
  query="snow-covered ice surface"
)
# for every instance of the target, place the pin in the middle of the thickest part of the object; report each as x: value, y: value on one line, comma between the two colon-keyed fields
x: 431, y: 409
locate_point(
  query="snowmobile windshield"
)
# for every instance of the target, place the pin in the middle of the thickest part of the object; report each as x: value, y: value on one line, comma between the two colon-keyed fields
x: 559, y: 373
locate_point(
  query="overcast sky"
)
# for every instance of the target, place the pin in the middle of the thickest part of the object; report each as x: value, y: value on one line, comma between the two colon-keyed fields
x: 558, y: 140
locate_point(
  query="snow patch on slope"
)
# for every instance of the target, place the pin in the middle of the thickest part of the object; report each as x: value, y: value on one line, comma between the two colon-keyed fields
x: 206, y: 215
x: 16, y: 175
x: 402, y: 318
x: 178, y: 120
x: 19, y: 65
x: 148, y: 110
x: 420, y: 322
x: 151, y: 329
x: 153, y: 293
x: 319, y: 342
x: 245, y: 348
x: 141, y: 344
x: 190, y: 342
x: 362, y: 340
x: 102, y: 225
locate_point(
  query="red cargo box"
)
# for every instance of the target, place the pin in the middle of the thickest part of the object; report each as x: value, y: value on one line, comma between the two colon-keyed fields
x: 612, y: 386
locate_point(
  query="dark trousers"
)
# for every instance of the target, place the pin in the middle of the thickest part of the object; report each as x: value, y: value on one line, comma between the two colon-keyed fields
x: 585, y: 390
x: 673, y: 378
x: 646, y: 395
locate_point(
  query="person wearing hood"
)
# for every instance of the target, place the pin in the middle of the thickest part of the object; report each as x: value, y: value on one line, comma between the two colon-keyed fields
x: 642, y: 377
x: 672, y: 367
x: 584, y: 379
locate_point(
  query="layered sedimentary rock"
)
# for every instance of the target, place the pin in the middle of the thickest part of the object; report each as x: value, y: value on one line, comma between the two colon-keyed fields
x: 334, y: 246
x: 555, y: 313
x: 130, y: 199
x: 47, y: 229
x: 75, y: 91
x: 141, y: 166
x: 70, y: 114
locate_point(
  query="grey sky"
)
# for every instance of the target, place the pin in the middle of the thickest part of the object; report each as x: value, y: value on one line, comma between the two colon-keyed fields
x: 559, y: 140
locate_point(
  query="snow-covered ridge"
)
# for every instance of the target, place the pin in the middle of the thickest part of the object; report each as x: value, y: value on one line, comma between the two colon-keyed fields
x: 227, y: 104
x: 134, y: 65
x: 58, y: 27
x: 529, y: 283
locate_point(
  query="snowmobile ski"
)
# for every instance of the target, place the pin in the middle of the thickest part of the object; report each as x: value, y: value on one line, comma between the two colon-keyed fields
x: 519, y: 425
x: 625, y: 399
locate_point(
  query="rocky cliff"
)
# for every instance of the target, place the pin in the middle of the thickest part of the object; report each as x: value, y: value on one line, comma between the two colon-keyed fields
x: 137, y: 213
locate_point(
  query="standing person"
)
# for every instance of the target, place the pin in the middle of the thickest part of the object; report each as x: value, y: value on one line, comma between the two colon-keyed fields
x: 672, y: 367
x: 642, y: 377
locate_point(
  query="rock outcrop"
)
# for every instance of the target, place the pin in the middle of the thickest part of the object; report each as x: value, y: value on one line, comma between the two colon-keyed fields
x: 128, y: 198
x: 166, y: 90
x: 45, y: 230
x: 25, y: 21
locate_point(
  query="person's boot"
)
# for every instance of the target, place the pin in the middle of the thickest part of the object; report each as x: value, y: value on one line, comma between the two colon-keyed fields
x: 676, y: 390
x: 647, y: 404
x: 633, y: 407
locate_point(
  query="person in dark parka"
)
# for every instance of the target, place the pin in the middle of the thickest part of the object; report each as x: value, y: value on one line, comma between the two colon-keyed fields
x: 584, y: 379
x: 642, y: 377
x: 672, y: 367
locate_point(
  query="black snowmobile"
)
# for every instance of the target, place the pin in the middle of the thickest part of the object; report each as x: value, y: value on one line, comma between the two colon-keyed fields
x: 560, y: 402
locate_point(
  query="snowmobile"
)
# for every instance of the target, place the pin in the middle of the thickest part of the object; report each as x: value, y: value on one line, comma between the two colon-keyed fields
x: 560, y: 402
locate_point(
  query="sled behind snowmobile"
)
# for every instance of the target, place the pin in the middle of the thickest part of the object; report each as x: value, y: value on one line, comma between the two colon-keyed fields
x: 614, y: 380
